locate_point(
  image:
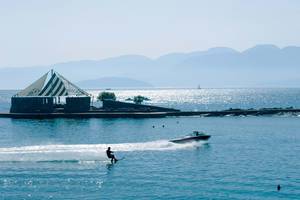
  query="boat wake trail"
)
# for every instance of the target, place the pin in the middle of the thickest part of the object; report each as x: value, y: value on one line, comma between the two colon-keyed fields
x: 83, y: 152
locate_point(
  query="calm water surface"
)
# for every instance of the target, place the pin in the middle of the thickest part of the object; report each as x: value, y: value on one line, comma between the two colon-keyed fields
x: 245, y: 158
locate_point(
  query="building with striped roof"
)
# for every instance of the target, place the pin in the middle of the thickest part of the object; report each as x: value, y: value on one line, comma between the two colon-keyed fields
x: 50, y: 93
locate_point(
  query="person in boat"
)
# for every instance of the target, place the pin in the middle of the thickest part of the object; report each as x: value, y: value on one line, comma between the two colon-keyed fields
x: 196, y: 133
x: 110, y: 155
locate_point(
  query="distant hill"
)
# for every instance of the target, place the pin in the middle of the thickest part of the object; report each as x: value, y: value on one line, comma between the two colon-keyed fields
x: 113, y: 82
x: 259, y: 66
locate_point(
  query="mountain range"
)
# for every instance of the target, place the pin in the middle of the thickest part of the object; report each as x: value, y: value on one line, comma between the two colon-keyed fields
x: 259, y: 66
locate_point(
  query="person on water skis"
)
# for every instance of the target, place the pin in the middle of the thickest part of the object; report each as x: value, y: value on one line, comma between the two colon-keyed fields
x: 110, y: 154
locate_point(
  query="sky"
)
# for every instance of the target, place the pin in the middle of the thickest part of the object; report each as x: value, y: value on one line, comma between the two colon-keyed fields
x: 44, y: 32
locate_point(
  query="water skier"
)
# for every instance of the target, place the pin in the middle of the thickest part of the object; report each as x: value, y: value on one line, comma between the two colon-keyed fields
x: 110, y: 154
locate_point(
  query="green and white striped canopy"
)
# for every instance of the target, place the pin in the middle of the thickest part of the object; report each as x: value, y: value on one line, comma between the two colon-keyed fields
x: 52, y: 84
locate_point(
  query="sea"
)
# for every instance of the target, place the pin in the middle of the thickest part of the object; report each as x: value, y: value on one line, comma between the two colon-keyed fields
x: 245, y: 158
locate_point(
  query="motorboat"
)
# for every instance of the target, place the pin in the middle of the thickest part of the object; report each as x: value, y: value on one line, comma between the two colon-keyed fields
x: 193, y: 137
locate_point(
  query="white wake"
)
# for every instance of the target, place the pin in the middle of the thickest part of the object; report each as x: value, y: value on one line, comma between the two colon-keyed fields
x: 83, y: 152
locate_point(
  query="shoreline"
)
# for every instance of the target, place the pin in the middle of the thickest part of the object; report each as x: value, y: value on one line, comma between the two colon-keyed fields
x: 116, y: 114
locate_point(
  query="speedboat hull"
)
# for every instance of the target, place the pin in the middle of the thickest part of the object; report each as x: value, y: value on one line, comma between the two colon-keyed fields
x: 191, y: 139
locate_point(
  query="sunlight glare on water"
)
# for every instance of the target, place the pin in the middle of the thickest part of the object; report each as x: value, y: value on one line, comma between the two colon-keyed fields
x: 213, y: 99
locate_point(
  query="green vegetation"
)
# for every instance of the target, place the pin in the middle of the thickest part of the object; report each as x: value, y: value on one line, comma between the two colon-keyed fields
x: 139, y: 99
x: 106, y: 96
x: 129, y: 99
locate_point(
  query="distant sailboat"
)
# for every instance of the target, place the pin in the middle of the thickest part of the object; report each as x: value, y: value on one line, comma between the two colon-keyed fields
x: 199, y: 87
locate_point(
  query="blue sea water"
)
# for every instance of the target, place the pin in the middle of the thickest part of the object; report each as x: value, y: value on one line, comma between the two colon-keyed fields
x: 245, y: 158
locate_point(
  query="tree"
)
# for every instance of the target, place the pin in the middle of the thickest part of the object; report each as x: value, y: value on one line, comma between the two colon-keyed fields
x: 139, y: 99
x: 106, y: 96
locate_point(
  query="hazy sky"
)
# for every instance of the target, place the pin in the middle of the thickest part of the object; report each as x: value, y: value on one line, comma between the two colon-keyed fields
x: 41, y: 32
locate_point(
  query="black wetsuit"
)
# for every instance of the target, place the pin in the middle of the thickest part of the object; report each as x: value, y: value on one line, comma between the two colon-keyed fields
x: 110, y: 155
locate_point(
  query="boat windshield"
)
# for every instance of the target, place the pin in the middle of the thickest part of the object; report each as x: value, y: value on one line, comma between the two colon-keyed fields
x: 197, y: 133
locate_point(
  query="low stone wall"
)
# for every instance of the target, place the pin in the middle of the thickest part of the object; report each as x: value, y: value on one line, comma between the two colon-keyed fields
x: 109, y: 105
